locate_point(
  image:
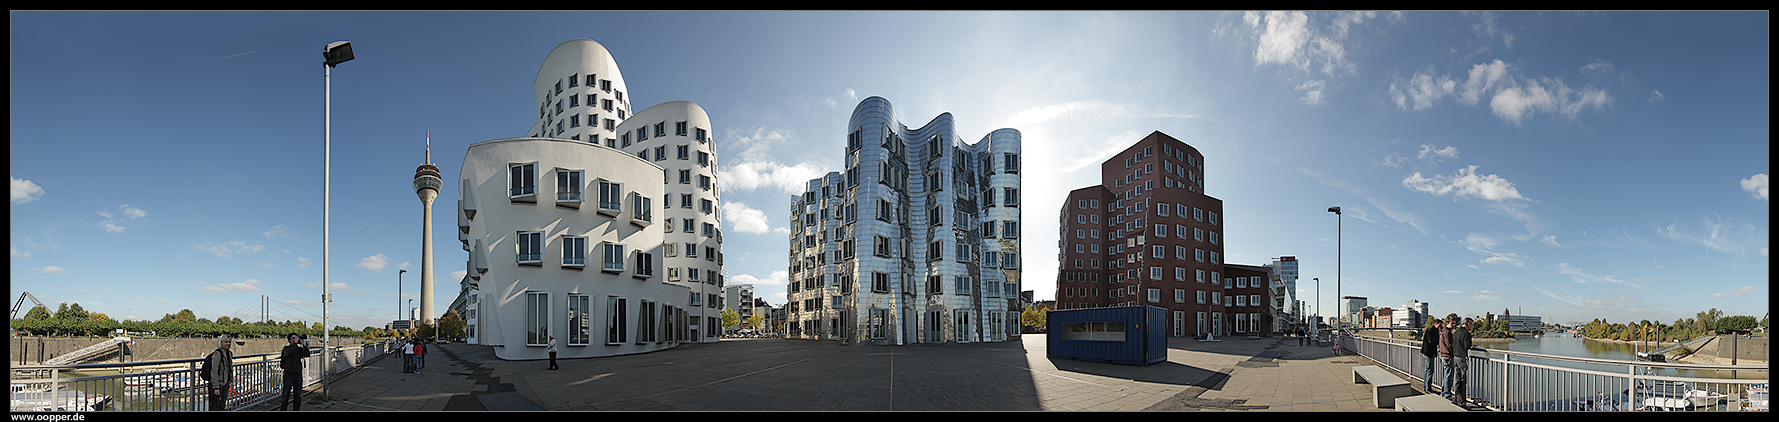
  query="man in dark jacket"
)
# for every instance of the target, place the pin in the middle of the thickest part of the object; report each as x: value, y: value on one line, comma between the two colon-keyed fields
x: 291, y: 360
x: 1430, y: 349
x: 1445, y: 356
x: 1460, y: 358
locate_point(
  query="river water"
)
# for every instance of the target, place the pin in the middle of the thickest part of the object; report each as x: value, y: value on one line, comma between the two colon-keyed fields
x: 1564, y: 344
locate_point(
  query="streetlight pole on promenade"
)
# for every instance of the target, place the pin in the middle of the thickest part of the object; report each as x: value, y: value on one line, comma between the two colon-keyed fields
x: 333, y: 54
x: 1337, y: 305
x: 398, y: 296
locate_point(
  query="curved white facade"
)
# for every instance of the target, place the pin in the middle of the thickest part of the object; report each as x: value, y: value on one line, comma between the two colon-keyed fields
x: 580, y: 94
x: 916, y: 242
x: 563, y: 242
x: 676, y: 135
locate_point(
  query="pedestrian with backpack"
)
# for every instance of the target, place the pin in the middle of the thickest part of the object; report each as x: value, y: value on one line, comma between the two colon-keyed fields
x: 219, y: 372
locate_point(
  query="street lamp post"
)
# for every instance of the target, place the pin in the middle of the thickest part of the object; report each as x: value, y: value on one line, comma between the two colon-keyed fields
x: 332, y: 54
x: 1337, y: 305
x: 1316, y: 315
x: 398, y: 295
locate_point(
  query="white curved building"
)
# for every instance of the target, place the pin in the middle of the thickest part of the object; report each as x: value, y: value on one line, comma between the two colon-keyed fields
x: 539, y: 262
x: 563, y: 242
x: 916, y: 242
x: 676, y: 136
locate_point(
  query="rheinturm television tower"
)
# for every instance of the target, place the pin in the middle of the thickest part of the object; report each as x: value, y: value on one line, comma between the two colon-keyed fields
x: 426, y: 184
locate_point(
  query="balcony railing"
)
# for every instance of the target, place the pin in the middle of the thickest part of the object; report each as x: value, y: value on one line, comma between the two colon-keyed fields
x: 1520, y: 381
x: 568, y: 196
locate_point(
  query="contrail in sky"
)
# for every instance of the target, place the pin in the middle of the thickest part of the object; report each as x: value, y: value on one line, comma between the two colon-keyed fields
x: 230, y: 57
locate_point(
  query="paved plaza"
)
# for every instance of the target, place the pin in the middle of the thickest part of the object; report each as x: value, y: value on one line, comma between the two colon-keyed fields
x: 1236, y: 373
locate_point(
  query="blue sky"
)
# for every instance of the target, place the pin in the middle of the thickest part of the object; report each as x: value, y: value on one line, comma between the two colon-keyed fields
x: 1568, y: 165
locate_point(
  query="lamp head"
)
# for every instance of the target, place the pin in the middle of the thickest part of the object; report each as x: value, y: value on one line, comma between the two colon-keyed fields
x: 1335, y: 210
x: 336, y: 52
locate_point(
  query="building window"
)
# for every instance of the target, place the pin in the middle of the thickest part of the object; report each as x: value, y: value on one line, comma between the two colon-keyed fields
x: 684, y: 152
x: 704, y: 205
x: 645, y: 264
x: 611, y: 195
x: 537, y: 318
x: 1010, y: 196
x: 679, y: 128
x: 580, y: 325
x: 703, y: 158
x: 1010, y: 229
x: 523, y: 179
x: 699, y: 134
x: 1201, y: 296
x: 531, y: 248
x: 614, y: 257
x: 568, y: 185
x: 616, y: 320
x: 574, y: 251
x: 963, y: 285
x: 645, y: 322
x: 1012, y: 162
x: 643, y: 209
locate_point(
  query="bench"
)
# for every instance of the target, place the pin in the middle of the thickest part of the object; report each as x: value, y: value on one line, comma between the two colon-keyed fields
x: 1385, y: 387
x: 1427, y: 402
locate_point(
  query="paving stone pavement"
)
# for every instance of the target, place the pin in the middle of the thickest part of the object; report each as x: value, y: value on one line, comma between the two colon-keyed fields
x: 1242, y: 374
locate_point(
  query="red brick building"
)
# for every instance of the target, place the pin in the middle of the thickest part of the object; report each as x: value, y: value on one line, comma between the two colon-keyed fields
x: 1149, y: 235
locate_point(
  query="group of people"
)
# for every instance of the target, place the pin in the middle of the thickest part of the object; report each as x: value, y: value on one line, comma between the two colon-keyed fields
x: 1446, y: 344
x: 218, y: 371
x: 414, y: 356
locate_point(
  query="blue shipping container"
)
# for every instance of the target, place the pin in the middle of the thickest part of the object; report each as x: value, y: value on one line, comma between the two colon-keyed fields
x: 1131, y: 335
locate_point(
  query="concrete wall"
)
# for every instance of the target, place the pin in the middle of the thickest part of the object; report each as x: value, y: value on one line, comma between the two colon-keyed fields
x: 32, y: 350
x: 1743, y: 348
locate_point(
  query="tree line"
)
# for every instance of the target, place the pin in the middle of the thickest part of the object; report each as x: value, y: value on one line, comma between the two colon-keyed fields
x: 72, y: 320
x: 1706, y: 322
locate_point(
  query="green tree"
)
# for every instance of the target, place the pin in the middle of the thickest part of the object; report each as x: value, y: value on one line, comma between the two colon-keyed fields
x: 68, y: 312
x: 37, y: 313
x: 1736, y: 323
x: 730, y: 318
x: 1033, y: 317
x: 756, y: 321
x: 185, y: 316
x: 451, y: 325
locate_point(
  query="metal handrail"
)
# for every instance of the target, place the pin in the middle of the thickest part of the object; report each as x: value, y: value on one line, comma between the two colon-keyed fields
x: 1500, y: 381
x: 180, y: 388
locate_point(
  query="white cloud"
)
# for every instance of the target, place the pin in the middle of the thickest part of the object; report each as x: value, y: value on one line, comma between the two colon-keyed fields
x: 1550, y: 240
x: 1655, y: 96
x: 1482, y: 78
x: 133, y: 212
x: 1389, y: 207
x: 17, y: 252
x: 404, y: 265
x: 1284, y: 35
x: 1443, y: 153
x: 245, y: 286
x: 1486, y: 246
x: 110, y: 226
x: 776, y: 278
x: 51, y: 270
x: 24, y: 191
x: 747, y: 176
x: 1423, y: 88
x: 1392, y: 160
x: 1516, y: 103
x: 232, y: 248
x: 1578, y: 276
x: 744, y: 219
x: 1744, y: 291
x: 1465, y: 183
x: 457, y: 276
x: 374, y: 262
x: 276, y: 232
x: 1312, y: 92
x: 302, y: 262
x: 1486, y: 27
x: 1717, y: 235
x: 1757, y: 185
x: 334, y: 286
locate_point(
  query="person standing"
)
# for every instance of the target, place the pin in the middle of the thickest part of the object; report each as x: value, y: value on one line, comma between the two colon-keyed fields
x: 1445, y: 357
x: 408, y: 356
x: 291, y: 360
x: 552, y: 350
x: 1460, y: 359
x: 1430, y: 349
x: 219, y: 371
x: 419, y: 354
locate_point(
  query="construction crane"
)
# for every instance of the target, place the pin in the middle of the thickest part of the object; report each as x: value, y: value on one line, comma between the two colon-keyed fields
x: 21, y: 302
